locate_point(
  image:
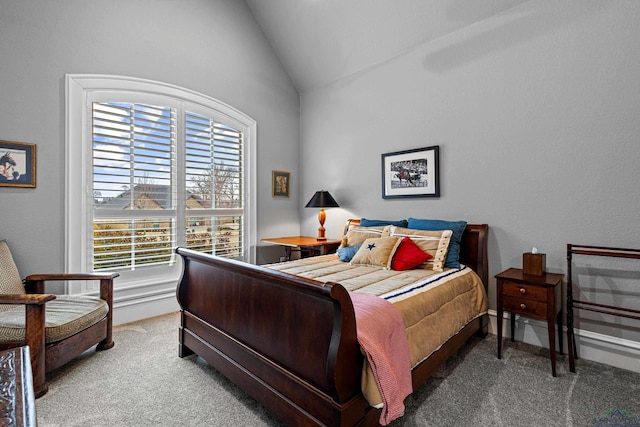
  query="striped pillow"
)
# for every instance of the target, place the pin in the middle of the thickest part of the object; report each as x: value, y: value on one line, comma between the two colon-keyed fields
x: 357, y: 235
x: 435, y: 243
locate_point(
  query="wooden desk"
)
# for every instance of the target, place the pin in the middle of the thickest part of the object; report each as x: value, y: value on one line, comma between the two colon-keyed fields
x: 309, y: 246
x: 532, y: 296
x: 16, y: 393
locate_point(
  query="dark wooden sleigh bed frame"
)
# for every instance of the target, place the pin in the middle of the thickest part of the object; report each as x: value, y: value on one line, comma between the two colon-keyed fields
x: 290, y: 342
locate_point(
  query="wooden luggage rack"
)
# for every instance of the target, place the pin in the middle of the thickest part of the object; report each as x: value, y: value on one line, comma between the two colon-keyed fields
x: 572, y: 303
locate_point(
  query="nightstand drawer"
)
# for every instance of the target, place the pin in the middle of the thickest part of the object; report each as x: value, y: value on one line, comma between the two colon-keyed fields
x: 515, y: 289
x: 525, y: 307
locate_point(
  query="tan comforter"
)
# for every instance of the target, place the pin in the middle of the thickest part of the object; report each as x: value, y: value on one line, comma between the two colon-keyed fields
x: 434, y: 305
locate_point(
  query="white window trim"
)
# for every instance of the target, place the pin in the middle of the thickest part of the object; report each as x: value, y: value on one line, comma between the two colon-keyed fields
x: 77, y: 118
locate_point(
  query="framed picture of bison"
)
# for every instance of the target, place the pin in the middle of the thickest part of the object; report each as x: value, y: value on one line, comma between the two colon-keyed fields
x: 17, y: 164
x: 411, y: 173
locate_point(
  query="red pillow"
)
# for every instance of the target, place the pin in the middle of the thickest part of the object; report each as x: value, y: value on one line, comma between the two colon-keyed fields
x: 408, y: 255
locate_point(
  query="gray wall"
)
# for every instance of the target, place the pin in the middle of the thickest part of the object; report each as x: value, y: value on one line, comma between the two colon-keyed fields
x: 211, y: 46
x: 536, y: 115
x: 535, y: 112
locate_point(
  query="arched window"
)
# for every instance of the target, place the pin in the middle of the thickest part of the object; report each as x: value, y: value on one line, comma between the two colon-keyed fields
x: 152, y: 166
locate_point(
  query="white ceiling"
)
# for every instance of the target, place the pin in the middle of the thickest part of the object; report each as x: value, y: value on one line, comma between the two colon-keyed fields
x: 319, y: 41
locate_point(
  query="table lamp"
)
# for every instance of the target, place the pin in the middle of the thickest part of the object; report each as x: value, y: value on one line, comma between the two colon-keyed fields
x: 322, y: 199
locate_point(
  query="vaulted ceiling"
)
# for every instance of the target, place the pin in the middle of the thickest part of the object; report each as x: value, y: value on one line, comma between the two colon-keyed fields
x: 320, y: 41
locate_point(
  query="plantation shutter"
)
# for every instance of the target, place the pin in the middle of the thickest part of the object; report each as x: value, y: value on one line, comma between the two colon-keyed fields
x: 134, y: 190
x: 149, y: 196
x: 213, y: 186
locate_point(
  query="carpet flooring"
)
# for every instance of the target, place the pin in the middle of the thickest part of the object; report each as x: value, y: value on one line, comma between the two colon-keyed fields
x: 142, y: 382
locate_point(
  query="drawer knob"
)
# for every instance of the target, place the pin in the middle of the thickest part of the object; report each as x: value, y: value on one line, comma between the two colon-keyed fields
x: 523, y: 306
x: 523, y: 291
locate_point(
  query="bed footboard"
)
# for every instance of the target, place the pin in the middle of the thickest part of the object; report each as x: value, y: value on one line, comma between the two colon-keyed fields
x: 303, y: 363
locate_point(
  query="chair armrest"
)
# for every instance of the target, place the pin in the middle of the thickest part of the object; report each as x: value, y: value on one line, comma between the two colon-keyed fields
x: 34, y: 334
x: 29, y: 299
x: 71, y: 276
x: 34, y: 283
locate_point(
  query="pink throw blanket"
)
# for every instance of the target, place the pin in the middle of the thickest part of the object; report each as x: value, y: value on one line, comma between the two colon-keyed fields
x: 383, y: 339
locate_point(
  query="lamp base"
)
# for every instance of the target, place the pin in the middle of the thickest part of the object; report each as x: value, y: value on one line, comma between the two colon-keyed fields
x: 321, y: 217
x: 321, y: 235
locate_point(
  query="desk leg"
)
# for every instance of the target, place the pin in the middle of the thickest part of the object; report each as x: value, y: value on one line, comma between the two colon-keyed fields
x: 287, y: 251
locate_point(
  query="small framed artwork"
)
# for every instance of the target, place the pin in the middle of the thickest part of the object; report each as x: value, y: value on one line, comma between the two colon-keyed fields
x: 411, y: 173
x: 280, y: 183
x: 17, y: 164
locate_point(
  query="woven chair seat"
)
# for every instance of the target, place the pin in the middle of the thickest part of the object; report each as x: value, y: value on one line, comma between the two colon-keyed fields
x: 65, y: 316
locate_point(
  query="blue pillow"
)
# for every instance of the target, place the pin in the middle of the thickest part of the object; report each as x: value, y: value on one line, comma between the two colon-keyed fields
x: 347, y: 253
x: 453, y: 254
x: 364, y: 222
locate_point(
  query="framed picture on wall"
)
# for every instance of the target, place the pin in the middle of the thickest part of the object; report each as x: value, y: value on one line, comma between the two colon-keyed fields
x: 280, y: 183
x: 411, y: 173
x: 17, y: 164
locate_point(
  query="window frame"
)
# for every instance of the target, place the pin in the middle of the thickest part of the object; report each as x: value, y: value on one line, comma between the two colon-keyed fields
x: 81, y: 90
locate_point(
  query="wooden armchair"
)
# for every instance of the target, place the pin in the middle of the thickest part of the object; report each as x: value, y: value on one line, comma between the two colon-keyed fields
x: 57, y: 328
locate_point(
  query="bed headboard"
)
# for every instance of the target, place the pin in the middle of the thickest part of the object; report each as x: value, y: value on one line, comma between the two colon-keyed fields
x: 473, y: 248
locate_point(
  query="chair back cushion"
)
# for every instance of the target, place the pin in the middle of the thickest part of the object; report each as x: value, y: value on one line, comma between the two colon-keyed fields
x: 10, y: 281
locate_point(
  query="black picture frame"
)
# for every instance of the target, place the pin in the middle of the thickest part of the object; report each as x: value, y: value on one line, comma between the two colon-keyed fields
x: 280, y: 183
x: 411, y: 173
x: 17, y: 164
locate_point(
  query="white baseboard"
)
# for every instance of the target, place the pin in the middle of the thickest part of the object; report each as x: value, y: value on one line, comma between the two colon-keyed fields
x: 612, y: 351
x: 141, y: 302
x: 143, y: 308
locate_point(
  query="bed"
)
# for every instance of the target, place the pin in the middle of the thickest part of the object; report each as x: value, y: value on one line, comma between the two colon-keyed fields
x: 291, y: 342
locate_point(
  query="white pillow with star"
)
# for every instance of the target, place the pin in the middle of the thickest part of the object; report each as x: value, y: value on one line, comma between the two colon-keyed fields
x: 376, y: 252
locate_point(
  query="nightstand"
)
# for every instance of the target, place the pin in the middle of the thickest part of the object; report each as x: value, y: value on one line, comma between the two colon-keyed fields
x: 308, y: 246
x: 533, y: 296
